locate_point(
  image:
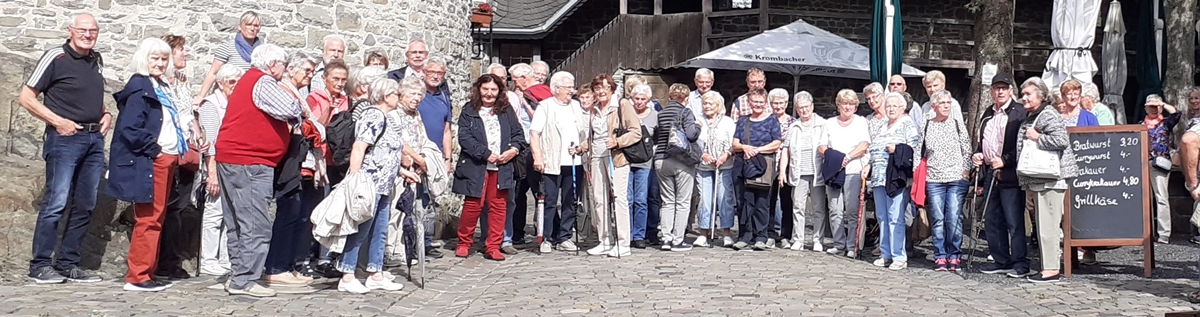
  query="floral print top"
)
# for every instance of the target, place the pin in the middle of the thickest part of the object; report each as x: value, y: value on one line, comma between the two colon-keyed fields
x: 903, y: 131
x: 382, y: 160
x: 1160, y: 136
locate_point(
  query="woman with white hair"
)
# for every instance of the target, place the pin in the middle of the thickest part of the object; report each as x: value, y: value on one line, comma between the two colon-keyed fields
x: 1091, y: 103
x: 891, y: 201
x: 377, y: 151
x: 716, y: 191
x: 214, y: 257
x: 556, y: 133
x: 1048, y: 129
x: 290, y: 229
x: 799, y: 168
x: 781, y: 223
x: 235, y: 52
x: 148, y: 140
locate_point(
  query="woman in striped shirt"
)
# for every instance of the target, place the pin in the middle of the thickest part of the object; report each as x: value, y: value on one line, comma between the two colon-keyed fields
x: 235, y: 52
x: 214, y: 259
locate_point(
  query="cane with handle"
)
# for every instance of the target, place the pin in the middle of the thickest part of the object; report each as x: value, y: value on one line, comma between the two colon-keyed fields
x: 975, y: 222
x: 712, y: 230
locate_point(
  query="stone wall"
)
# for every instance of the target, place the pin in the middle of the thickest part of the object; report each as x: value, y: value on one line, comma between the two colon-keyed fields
x: 32, y: 26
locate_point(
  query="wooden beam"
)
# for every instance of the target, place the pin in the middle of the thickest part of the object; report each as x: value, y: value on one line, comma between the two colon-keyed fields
x: 706, y: 26
x: 764, y: 15
x: 728, y: 13
x: 733, y: 34
x: 658, y: 7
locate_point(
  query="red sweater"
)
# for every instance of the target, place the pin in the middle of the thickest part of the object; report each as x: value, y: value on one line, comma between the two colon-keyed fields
x: 249, y: 136
x: 539, y: 92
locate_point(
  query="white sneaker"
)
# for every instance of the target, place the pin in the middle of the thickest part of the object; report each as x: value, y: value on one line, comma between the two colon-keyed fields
x: 898, y: 265
x: 620, y: 251
x: 880, y: 262
x: 546, y: 247
x: 786, y: 244
x: 798, y: 246
x: 353, y: 286
x: 727, y: 241
x: 701, y: 241
x: 567, y: 246
x: 214, y: 270
x: 600, y: 249
x: 254, y: 289
x: 383, y: 284
x: 833, y: 250
x: 388, y: 276
x: 818, y: 247
x: 770, y: 243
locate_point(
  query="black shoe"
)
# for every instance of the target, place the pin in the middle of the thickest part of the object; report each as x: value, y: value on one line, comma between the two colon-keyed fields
x: 1019, y: 273
x: 46, y: 275
x: 327, y: 270
x: 175, y: 273
x: 306, y: 269
x: 147, y: 286
x: 1194, y: 240
x: 994, y: 269
x: 78, y: 275
x: 1038, y: 278
x: 431, y: 252
x: 639, y: 244
x: 654, y: 241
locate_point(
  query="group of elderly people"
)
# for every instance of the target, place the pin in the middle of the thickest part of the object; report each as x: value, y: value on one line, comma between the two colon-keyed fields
x: 262, y: 129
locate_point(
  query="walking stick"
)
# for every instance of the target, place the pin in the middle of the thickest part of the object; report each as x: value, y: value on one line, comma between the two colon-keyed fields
x: 969, y: 216
x: 541, y: 219
x: 862, y: 231
x: 712, y: 230
x: 975, y: 222
x: 421, y: 237
x: 577, y: 203
x: 612, y: 209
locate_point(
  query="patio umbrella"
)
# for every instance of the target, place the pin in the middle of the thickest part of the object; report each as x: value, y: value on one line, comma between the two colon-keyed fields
x: 885, y: 62
x: 1113, y: 58
x: 797, y: 49
x: 1149, y: 74
x: 1073, y: 30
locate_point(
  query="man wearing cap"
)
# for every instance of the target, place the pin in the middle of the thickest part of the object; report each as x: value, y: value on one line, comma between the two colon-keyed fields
x: 1004, y: 217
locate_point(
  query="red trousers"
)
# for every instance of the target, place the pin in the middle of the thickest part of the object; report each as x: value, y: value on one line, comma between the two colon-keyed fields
x: 472, y: 206
x: 143, y: 245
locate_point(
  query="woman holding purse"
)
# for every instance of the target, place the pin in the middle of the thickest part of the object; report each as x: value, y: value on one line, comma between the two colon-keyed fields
x: 1044, y: 129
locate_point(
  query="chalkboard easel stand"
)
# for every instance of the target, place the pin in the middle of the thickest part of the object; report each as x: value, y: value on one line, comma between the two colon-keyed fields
x: 1134, y: 162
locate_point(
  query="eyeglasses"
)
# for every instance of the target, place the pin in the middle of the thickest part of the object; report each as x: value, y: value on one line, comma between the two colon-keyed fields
x: 85, y: 31
x: 895, y: 84
x: 253, y: 25
x: 428, y: 72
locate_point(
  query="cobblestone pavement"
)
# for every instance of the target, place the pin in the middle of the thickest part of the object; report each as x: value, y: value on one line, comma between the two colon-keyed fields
x: 649, y: 283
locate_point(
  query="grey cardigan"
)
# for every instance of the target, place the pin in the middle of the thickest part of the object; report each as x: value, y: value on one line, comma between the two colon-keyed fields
x: 1053, y: 137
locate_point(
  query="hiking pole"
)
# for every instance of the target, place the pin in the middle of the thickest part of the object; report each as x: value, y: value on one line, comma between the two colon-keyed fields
x: 969, y: 214
x: 862, y: 206
x: 612, y: 209
x: 576, y: 203
x: 712, y: 228
x: 975, y: 223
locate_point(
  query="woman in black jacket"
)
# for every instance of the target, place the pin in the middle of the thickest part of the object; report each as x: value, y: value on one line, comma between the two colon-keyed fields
x: 490, y: 136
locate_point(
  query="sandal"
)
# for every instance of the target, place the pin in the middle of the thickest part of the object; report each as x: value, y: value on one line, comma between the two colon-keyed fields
x: 1194, y: 297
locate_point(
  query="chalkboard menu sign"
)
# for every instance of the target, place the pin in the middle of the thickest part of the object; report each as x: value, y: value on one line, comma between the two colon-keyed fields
x: 1108, y: 203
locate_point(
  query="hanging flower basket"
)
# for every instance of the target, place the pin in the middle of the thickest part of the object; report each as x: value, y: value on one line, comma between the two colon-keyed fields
x: 482, y: 16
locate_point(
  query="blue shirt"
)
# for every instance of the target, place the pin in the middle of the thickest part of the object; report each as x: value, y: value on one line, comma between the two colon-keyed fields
x: 435, y: 113
x: 761, y: 132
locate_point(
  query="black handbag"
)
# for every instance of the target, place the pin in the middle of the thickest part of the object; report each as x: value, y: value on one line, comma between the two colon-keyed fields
x: 767, y: 178
x: 638, y: 152
x: 678, y: 145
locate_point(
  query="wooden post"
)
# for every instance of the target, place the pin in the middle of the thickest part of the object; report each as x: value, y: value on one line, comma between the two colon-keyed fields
x: 624, y: 6
x: 764, y: 16
x: 658, y: 7
x: 706, y: 27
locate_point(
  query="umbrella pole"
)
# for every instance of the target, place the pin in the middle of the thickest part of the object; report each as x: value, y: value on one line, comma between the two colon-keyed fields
x: 795, y: 84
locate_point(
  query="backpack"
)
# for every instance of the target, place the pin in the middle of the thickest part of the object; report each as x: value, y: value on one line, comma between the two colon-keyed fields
x: 339, y: 135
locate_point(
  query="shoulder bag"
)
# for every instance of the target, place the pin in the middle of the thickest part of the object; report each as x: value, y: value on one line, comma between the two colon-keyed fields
x: 1035, y: 162
x: 767, y: 179
x: 638, y: 152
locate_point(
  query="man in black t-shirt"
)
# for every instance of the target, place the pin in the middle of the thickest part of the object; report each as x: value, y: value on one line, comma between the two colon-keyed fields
x: 72, y: 89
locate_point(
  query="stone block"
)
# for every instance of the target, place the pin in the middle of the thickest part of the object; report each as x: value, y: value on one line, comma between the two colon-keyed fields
x: 286, y: 39
x: 347, y: 19
x: 71, y: 4
x: 11, y: 21
x: 314, y: 15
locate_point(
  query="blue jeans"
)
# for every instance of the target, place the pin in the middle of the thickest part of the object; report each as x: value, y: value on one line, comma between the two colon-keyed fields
x: 890, y: 210
x: 72, y: 162
x: 638, y: 210
x: 374, y: 232
x: 721, y: 196
x: 1004, y: 222
x: 945, y: 209
x: 653, y: 206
